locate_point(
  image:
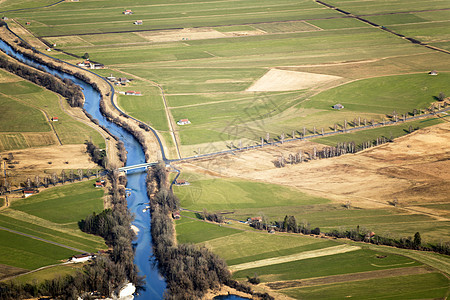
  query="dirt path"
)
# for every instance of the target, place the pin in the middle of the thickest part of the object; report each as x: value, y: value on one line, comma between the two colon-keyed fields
x: 49, y: 121
x: 348, y: 277
x: 42, y: 240
x: 294, y: 257
x: 170, y: 120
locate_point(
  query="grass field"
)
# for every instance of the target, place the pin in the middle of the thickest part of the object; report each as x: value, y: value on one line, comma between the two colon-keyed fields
x: 205, y: 80
x: 223, y: 194
x: 71, y: 201
x: 53, y: 215
x: 423, y: 286
x: 238, y: 247
x: 26, y: 110
x: 27, y: 253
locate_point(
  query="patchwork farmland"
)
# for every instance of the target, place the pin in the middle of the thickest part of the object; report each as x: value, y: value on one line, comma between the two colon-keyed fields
x: 246, y: 71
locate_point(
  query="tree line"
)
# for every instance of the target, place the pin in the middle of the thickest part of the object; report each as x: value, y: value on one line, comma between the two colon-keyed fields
x: 106, y: 272
x: 290, y: 224
x: 64, y: 87
x: 190, y: 270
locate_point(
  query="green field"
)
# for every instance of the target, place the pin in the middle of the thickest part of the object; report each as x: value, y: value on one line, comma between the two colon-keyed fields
x: 52, y: 215
x: 26, y: 110
x: 72, y: 202
x: 237, y: 247
x: 206, y: 81
x: 424, y: 286
x: 224, y: 194
x: 27, y: 253
x: 346, y: 263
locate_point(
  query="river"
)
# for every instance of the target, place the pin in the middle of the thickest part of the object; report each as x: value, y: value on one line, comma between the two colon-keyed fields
x: 138, y: 199
x: 155, y: 284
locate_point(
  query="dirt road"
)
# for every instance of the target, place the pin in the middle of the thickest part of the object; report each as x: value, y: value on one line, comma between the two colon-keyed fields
x: 298, y: 256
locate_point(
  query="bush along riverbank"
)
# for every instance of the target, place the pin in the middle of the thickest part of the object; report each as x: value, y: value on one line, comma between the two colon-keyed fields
x: 190, y: 270
x: 108, y: 272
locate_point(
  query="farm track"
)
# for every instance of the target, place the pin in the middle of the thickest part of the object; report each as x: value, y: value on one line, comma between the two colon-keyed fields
x: 278, y: 285
x: 166, y: 109
x: 49, y: 121
x: 294, y: 257
x: 42, y: 240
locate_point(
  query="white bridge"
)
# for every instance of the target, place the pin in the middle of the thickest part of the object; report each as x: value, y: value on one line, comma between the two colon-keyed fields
x: 136, y: 167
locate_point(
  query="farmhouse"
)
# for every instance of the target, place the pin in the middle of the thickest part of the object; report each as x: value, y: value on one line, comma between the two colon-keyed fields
x: 133, y: 93
x: 55, y: 119
x: 181, y: 182
x: 338, y: 106
x: 138, y: 22
x: 127, y: 12
x: 183, y: 122
x: 82, y: 257
x: 90, y: 65
x: 28, y: 193
x: 176, y: 215
x: 99, y: 183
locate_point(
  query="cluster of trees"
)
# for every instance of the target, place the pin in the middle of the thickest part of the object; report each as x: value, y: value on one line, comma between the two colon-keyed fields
x: 288, y: 224
x: 107, y: 272
x: 189, y: 270
x: 213, y: 217
x: 98, y: 155
x: 403, y: 242
x: 327, y: 152
x: 64, y: 87
x: 114, y: 225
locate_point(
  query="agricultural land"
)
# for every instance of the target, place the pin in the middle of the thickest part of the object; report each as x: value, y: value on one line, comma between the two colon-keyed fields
x: 266, y: 75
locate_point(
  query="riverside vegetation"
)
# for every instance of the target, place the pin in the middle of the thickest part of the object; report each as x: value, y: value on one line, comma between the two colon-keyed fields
x: 189, y: 270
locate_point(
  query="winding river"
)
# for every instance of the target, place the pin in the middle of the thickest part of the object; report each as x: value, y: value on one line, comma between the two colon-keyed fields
x: 138, y: 199
x: 155, y: 284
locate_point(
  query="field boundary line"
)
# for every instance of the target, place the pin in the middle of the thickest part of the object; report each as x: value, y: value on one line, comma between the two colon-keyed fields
x: 294, y: 257
x: 170, y: 120
x: 41, y: 239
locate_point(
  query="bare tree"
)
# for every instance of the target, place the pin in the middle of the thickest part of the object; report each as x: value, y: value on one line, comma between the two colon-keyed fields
x: 37, y: 181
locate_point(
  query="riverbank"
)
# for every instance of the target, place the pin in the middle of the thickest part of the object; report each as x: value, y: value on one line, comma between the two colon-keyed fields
x: 109, y: 108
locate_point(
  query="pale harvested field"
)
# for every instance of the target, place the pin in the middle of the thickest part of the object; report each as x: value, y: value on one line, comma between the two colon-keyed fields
x: 415, y: 169
x: 44, y: 161
x: 181, y: 34
x: 276, y: 80
x: 294, y: 257
x: 54, y: 157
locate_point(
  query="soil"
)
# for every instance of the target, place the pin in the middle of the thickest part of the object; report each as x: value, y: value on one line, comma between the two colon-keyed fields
x: 414, y: 169
x: 8, y: 271
x: 283, y: 80
x: 181, y: 34
x: 46, y: 160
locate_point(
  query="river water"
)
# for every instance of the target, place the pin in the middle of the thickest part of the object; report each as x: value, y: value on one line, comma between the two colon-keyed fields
x: 155, y: 284
x: 138, y: 199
